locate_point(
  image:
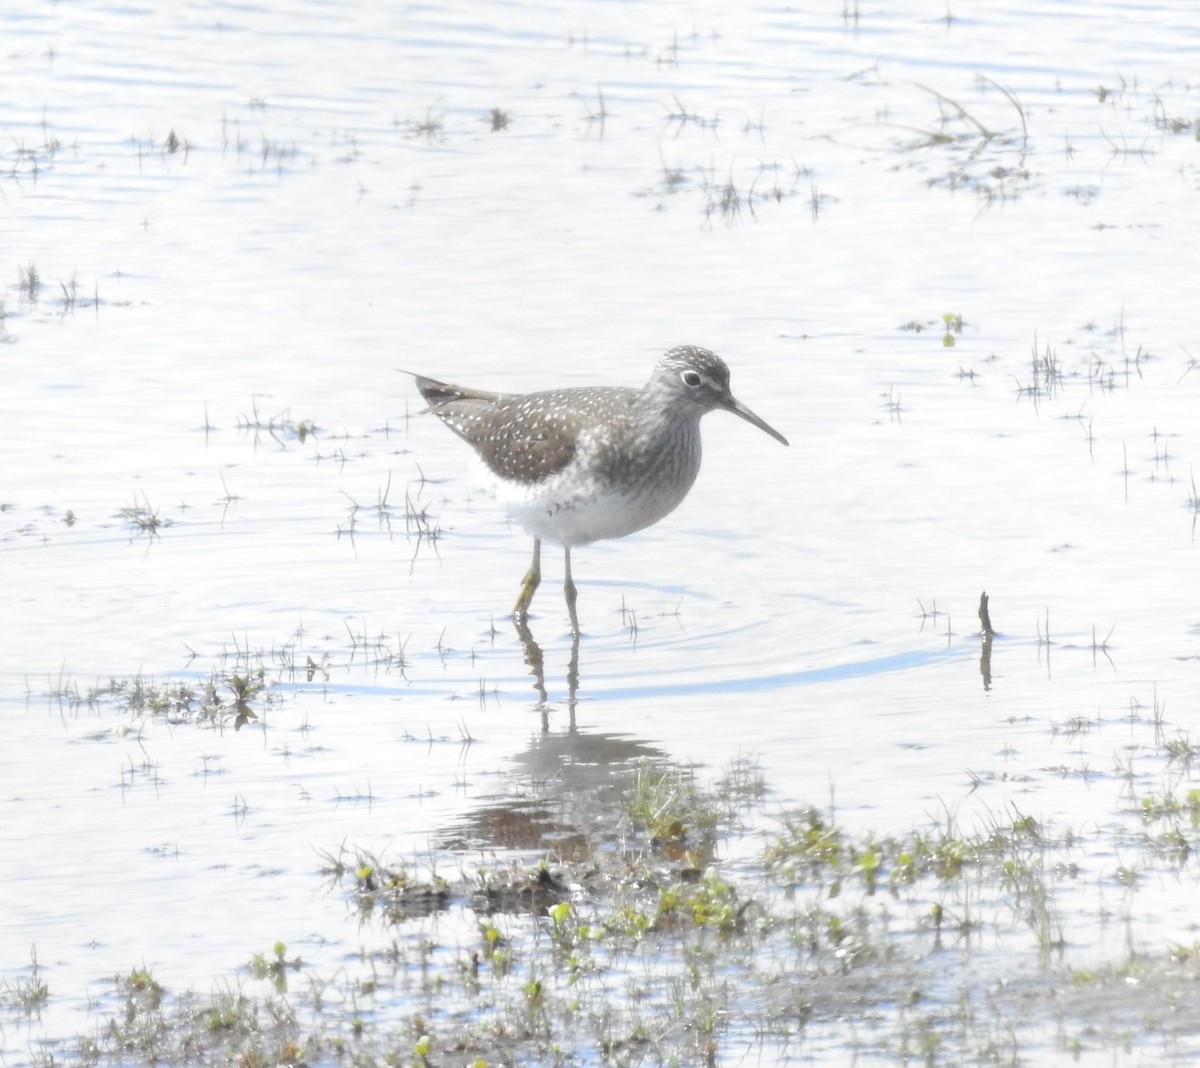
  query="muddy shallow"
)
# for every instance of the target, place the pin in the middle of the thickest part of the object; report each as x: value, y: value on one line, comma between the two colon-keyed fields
x: 947, y: 257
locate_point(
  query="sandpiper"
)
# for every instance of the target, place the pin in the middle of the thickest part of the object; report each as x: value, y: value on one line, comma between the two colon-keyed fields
x: 577, y: 465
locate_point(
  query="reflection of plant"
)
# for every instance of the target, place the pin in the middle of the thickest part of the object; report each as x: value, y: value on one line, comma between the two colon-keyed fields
x: 954, y: 325
x: 143, y: 518
x: 244, y: 690
x: 276, y: 967
x: 992, y: 162
x: 27, y: 994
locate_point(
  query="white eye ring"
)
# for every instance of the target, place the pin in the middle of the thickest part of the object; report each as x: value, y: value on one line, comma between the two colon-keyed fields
x: 690, y: 378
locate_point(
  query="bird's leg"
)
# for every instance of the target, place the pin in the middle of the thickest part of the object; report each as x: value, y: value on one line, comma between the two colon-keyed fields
x: 530, y: 583
x: 570, y: 592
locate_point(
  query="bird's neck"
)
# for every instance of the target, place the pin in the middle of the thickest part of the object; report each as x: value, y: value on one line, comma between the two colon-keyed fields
x: 663, y: 429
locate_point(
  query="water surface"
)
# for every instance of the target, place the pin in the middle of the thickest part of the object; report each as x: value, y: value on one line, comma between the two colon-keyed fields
x: 243, y: 221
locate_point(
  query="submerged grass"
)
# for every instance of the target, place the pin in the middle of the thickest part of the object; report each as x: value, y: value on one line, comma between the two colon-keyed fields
x: 946, y: 944
x: 224, y: 696
x: 654, y: 917
x: 25, y: 994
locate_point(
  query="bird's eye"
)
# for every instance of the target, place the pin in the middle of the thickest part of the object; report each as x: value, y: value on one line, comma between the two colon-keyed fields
x: 690, y: 378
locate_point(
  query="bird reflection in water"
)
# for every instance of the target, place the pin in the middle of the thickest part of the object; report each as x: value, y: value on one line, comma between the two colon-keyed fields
x: 536, y: 661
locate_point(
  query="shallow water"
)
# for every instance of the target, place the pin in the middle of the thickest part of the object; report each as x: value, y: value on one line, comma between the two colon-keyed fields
x: 807, y: 194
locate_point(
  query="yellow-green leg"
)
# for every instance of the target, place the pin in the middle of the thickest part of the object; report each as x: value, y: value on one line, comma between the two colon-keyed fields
x: 570, y: 592
x: 530, y: 583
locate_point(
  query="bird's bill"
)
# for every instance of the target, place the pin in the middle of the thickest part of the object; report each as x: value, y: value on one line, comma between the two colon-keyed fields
x: 738, y: 408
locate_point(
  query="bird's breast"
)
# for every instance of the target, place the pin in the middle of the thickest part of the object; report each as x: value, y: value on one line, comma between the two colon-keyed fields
x: 608, y: 490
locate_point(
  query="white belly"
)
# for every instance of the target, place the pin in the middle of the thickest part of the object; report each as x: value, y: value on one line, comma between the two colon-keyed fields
x: 572, y: 508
